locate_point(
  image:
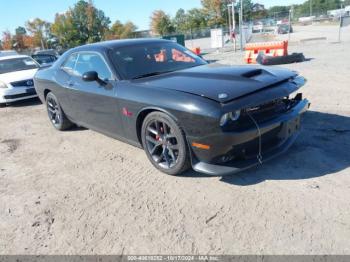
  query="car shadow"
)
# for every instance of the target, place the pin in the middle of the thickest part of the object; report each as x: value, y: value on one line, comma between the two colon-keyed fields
x: 27, y: 102
x: 211, y: 61
x: 308, y: 59
x: 322, y: 148
x: 75, y: 128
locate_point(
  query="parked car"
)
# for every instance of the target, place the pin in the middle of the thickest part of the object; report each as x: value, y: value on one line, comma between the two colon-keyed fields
x: 257, y: 27
x: 16, y: 78
x: 44, y: 59
x: 284, y: 29
x: 47, y: 52
x: 8, y: 53
x: 182, y: 111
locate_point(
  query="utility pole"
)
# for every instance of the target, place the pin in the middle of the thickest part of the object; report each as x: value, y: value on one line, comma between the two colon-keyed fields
x: 310, y: 7
x: 229, y: 19
x: 289, y: 21
x: 240, y: 26
x: 232, y: 5
x: 234, y: 23
x: 233, y: 16
x: 340, y: 22
x: 232, y: 31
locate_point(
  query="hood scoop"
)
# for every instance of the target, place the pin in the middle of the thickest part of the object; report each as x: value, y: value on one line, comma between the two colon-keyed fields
x: 252, y: 73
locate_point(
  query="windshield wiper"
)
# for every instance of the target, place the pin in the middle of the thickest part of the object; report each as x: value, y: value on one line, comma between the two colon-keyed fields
x: 152, y: 74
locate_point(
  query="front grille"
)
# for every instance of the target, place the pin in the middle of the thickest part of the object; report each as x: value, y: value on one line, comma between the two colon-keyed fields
x: 25, y: 83
x: 266, y: 111
x: 261, y: 113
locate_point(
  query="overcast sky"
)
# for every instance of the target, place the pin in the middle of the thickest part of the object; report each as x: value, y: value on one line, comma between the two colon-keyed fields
x: 14, y: 13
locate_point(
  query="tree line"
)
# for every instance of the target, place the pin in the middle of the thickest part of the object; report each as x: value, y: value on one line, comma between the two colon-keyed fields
x: 81, y: 24
x: 85, y: 23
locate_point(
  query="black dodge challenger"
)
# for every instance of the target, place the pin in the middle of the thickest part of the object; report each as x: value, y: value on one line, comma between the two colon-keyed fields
x: 182, y: 111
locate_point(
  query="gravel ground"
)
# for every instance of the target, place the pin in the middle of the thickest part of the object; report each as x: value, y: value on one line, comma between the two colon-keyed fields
x: 79, y: 192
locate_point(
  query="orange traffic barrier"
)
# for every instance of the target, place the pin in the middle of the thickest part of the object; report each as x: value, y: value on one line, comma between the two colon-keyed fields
x: 252, y: 50
x: 196, y: 50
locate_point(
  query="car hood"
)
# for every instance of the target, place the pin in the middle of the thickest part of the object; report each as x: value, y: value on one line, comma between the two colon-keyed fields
x: 221, y: 83
x: 18, y: 76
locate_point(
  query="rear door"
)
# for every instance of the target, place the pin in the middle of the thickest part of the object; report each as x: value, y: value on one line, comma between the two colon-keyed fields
x: 95, y: 105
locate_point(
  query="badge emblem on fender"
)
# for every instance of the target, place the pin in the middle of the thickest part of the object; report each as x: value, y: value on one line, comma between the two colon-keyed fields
x: 222, y: 96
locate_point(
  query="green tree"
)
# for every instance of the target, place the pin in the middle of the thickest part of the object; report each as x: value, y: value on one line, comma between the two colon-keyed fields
x: 129, y: 30
x: 278, y: 11
x: 318, y: 7
x: 20, y: 30
x: 82, y: 24
x: 19, y: 38
x: 7, y: 40
x: 197, y: 19
x: 216, y: 12
x: 64, y: 30
x: 40, y: 30
x: 161, y: 23
x: 120, y: 31
x: 180, y: 21
x: 247, y: 9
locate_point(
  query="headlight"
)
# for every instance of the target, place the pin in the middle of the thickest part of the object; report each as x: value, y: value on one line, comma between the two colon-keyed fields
x: 224, y: 119
x: 233, y: 116
x: 3, y: 85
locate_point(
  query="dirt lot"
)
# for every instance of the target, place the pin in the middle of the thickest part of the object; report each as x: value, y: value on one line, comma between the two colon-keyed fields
x: 79, y: 192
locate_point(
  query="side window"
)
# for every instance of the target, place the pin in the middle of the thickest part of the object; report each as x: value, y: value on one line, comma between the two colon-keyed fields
x: 92, y: 62
x: 70, y: 63
x: 179, y: 56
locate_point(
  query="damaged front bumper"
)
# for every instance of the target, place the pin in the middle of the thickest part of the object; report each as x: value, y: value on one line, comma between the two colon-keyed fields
x: 239, y: 150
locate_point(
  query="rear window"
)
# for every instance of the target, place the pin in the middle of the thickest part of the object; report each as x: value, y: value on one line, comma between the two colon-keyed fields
x: 17, y: 64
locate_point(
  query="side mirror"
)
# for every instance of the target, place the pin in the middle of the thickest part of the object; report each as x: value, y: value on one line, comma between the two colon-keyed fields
x: 90, y: 76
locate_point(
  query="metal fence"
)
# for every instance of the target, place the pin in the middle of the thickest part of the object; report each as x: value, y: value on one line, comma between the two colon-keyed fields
x: 278, y: 26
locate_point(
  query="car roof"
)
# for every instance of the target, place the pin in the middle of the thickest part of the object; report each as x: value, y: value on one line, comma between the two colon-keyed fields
x: 12, y: 56
x: 8, y: 53
x: 119, y: 43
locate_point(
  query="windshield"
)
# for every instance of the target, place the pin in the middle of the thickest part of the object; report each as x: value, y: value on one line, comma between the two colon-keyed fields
x: 44, y: 59
x: 17, y: 64
x: 153, y: 58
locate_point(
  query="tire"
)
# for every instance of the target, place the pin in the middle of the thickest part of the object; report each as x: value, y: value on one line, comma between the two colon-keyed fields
x: 56, y: 115
x: 2, y: 105
x: 165, y: 144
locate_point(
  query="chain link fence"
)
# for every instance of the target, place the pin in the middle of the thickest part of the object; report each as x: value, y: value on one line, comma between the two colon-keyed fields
x: 276, y: 27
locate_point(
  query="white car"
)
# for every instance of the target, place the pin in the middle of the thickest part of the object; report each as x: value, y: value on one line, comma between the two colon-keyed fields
x: 16, y: 78
x: 8, y: 52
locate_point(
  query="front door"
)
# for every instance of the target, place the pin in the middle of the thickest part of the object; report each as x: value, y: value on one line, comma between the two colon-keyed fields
x: 95, y: 104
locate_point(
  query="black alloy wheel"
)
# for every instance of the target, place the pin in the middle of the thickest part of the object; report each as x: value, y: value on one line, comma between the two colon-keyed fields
x: 165, y: 144
x: 56, y: 114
